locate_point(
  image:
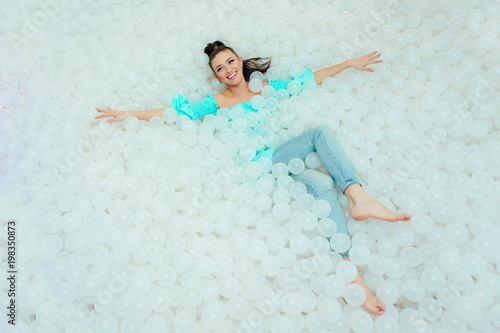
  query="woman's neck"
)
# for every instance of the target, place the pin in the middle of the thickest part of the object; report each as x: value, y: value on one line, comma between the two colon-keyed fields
x: 239, y: 91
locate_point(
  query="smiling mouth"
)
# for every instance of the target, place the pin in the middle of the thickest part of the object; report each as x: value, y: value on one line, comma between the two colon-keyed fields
x: 231, y: 76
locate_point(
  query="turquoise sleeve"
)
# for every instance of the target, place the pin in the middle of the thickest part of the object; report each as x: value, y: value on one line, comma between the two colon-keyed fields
x: 200, y: 109
x: 307, y: 75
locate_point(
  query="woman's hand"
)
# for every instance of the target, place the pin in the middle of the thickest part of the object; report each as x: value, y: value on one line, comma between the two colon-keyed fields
x: 361, y: 63
x: 117, y: 115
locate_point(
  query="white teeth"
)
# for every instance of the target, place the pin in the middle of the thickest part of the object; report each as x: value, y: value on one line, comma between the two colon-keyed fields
x: 231, y: 76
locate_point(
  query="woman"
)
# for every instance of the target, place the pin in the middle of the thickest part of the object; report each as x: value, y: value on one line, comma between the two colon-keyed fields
x: 229, y: 68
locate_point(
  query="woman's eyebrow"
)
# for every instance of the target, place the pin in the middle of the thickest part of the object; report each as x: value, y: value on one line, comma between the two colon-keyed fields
x: 221, y: 64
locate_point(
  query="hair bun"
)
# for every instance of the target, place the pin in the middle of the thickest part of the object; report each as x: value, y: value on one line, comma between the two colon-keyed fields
x: 211, y: 47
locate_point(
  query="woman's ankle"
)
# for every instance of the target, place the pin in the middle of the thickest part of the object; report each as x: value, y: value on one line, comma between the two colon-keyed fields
x: 354, y: 191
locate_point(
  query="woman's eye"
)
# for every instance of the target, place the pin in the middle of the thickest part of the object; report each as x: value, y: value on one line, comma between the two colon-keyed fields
x: 218, y: 69
x: 230, y: 61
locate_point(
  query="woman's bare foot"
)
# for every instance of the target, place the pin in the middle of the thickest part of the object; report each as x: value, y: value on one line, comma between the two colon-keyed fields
x: 371, y: 303
x: 363, y: 206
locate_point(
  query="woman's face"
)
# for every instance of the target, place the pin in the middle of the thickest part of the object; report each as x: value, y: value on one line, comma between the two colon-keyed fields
x: 227, y: 68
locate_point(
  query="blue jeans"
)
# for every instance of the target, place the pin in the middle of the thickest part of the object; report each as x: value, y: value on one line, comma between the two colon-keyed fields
x: 323, y: 141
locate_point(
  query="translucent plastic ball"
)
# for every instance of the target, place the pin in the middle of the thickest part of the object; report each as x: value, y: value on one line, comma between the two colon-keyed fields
x: 327, y: 227
x: 257, y: 75
x: 387, y: 246
x: 334, y: 285
x: 321, y: 208
x: 257, y: 249
x: 255, y: 85
x: 404, y: 237
x: 257, y: 102
x: 293, y: 303
x: 413, y: 290
x: 387, y: 292
x: 294, y: 88
x: 474, y: 264
x: 296, y: 190
x: 347, y: 270
x: 268, y: 92
x: 107, y: 323
x: 281, y: 195
x: 296, y: 166
x: 237, y: 307
x: 329, y: 311
x: 386, y: 324
x: 495, y: 315
x: 308, y: 221
x: 131, y: 123
x: 359, y: 255
x: 279, y: 169
x: 281, y: 211
x: 229, y: 286
x: 182, y: 262
x: 46, y: 314
x: 299, y: 243
x: 264, y: 185
x: 450, y: 261
x: 263, y: 203
x: 354, y: 294
x: 271, y: 265
x: 432, y: 279
x: 377, y: 264
x: 253, y: 170
x: 184, y: 322
x: 361, y: 322
x: 340, y: 243
x: 275, y: 240
x: 273, y: 73
x: 465, y: 307
x: 313, y: 161
x: 454, y: 56
x: 282, y: 325
x: 456, y: 233
x: 411, y: 256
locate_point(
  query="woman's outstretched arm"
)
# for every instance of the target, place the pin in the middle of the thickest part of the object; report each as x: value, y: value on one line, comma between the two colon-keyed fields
x: 358, y: 63
x: 122, y: 115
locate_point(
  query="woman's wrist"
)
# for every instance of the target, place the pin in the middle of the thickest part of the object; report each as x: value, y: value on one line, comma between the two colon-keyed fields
x: 127, y: 114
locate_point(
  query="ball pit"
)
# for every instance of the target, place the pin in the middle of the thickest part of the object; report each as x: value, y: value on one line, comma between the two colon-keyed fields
x: 167, y: 225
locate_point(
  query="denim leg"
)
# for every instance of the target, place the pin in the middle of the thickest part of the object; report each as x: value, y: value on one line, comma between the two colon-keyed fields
x: 321, y: 186
x: 322, y: 140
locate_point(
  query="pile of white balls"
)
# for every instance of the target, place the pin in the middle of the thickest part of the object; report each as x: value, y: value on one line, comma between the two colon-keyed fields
x: 168, y: 226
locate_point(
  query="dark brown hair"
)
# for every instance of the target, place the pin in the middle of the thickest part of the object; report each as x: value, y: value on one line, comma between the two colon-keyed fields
x: 249, y: 65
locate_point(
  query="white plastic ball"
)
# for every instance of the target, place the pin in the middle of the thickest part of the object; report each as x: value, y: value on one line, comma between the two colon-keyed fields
x: 413, y: 290
x: 255, y: 85
x: 359, y: 255
x: 334, y: 285
x: 329, y: 310
x: 361, y: 322
x: 354, y: 294
x: 340, y: 243
x: 321, y: 208
x: 296, y: 166
x: 313, y: 161
x: 347, y: 270
x: 326, y: 227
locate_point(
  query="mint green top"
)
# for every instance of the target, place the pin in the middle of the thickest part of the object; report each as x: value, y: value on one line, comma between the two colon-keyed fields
x: 209, y: 105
